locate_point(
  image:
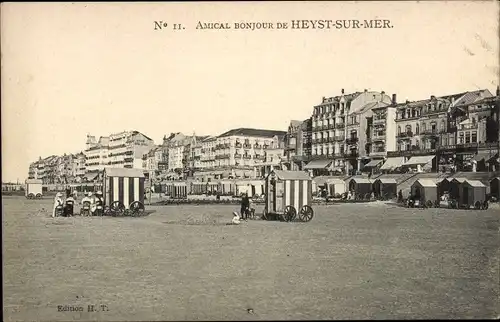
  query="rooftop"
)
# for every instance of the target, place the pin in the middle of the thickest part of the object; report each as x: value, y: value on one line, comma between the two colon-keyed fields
x: 253, y: 132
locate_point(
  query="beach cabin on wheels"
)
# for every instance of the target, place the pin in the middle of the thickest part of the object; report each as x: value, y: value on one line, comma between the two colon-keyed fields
x: 227, y: 187
x: 34, y: 189
x: 362, y: 187
x: 454, y: 188
x: 425, y: 191
x: 495, y: 188
x: 288, y: 193
x: 472, y: 193
x: 123, y: 188
x: 332, y: 185
x: 443, y: 186
x: 385, y: 188
x: 198, y: 188
x: 179, y: 190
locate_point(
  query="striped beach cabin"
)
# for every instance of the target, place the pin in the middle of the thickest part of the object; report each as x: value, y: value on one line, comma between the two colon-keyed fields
x: 287, y: 189
x: 179, y: 190
x: 125, y: 185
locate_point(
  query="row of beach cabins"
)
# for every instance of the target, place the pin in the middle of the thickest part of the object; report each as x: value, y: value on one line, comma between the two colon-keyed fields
x: 361, y: 188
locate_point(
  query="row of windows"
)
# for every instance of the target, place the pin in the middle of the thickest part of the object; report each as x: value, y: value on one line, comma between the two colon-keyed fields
x: 432, y: 127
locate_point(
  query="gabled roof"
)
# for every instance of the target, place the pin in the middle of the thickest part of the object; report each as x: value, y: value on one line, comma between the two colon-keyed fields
x: 474, y: 183
x: 124, y: 172
x: 426, y: 182
x: 291, y: 175
x: 252, y: 132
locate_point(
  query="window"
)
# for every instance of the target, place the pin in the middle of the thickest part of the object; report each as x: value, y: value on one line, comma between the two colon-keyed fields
x: 461, y: 138
x: 467, y: 137
x: 442, y: 128
x: 399, y: 129
x: 474, y: 137
x: 416, y: 129
x: 408, y: 128
x: 423, y: 127
x: 433, y: 127
x: 444, y: 141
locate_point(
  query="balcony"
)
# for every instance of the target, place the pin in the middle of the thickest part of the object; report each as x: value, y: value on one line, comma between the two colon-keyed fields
x: 259, y: 157
x: 247, y: 156
x: 352, y: 140
x: 340, y: 125
x: 237, y: 156
x: 351, y: 154
x: 331, y: 126
x: 411, y: 152
x: 403, y: 135
x: 339, y: 138
x: 238, y: 145
x: 331, y: 139
x: 378, y: 152
x: 247, y: 146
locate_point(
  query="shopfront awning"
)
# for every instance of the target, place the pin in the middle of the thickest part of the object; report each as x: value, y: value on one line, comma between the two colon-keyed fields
x: 393, y: 163
x: 318, y: 164
x: 373, y: 163
x: 481, y: 156
x: 420, y: 160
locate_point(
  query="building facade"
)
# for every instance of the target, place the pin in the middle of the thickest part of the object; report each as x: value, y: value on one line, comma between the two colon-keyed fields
x: 340, y: 131
x: 119, y: 150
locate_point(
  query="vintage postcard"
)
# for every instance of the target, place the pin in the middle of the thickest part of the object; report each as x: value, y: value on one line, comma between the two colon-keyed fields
x: 250, y: 160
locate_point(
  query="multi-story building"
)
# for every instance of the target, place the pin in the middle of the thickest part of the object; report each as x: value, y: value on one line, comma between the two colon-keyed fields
x: 238, y: 153
x: 429, y: 128
x: 79, y: 167
x: 150, y: 162
x: 207, y: 159
x: 295, y: 144
x: 120, y: 150
x: 382, y: 138
x: 339, y: 131
x: 127, y: 148
x: 96, y: 154
x: 245, y: 147
x: 477, y: 131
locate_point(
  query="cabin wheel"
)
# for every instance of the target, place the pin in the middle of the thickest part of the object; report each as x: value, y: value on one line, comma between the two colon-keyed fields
x: 31, y: 196
x: 306, y: 213
x: 368, y: 196
x: 117, y: 208
x: 486, y: 205
x: 437, y: 204
x: 38, y: 195
x: 428, y: 204
x: 136, y: 208
x: 477, y: 205
x: 290, y: 213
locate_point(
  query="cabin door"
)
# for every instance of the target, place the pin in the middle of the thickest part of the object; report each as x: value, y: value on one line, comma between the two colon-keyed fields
x: 465, y: 195
x: 279, y: 196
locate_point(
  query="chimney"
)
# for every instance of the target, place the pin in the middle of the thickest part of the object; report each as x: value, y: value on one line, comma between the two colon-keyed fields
x: 433, y: 97
x: 393, y: 99
x: 498, y: 90
x: 366, y: 90
x: 342, y: 91
x: 407, y: 101
x: 383, y: 92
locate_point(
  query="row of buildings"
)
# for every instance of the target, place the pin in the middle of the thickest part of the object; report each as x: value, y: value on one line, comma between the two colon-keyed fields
x: 348, y: 133
x: 363, y: 130
x: 238, y: 153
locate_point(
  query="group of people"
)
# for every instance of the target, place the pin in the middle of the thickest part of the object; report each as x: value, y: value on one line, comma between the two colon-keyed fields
x: 67, y: 205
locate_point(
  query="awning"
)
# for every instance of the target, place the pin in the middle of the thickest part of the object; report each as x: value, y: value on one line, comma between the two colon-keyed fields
x: 373, y: 163
x: 422, y: 159
x: 318, y: 164
x: 481, y: 156
x: 393, y: 163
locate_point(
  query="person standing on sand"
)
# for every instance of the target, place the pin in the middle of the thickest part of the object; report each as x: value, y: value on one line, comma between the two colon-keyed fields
x: 245, y: 205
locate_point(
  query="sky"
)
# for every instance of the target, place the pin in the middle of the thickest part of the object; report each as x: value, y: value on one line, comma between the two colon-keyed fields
x: 101, y: 68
